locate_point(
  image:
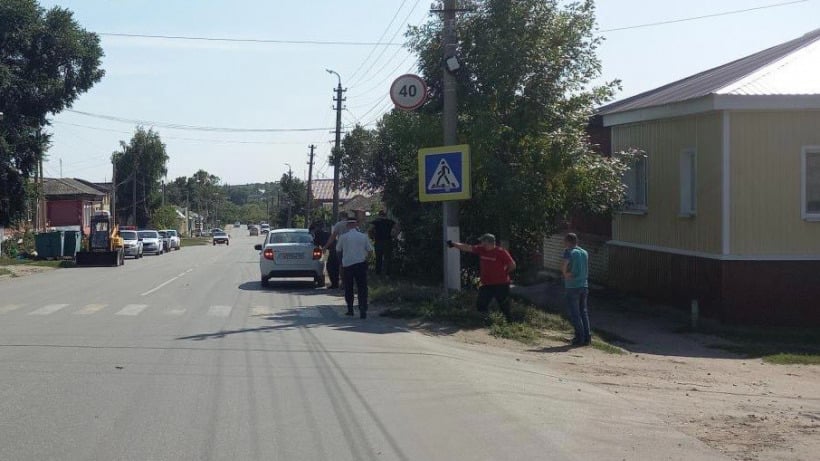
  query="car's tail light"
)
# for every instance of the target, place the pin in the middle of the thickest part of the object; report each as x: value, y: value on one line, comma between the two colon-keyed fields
x: 268, y: 254
x: 317, y: 253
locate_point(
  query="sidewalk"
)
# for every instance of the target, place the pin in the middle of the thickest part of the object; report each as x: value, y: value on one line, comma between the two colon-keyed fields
x: 630, y: 323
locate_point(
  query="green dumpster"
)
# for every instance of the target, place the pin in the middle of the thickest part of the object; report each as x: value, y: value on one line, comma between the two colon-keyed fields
x: 72, y: 243
x: 49, y: 244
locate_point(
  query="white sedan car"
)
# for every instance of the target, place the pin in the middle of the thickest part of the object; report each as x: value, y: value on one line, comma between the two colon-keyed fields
x: 290, y: 253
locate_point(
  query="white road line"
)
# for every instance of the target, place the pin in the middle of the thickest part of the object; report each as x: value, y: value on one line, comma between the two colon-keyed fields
x: 219, y: 311
x: 261, y: 311
x: 9, y: 307
x: 158, y: 287
x: 91, y: 309
x: 176, y: 312
x: 50, y: 309
x: 132, y: 309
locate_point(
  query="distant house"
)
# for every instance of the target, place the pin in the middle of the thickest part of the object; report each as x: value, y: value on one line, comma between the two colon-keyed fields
x: 71, y: 203
x: 725, y: 208
x: 323, y: 194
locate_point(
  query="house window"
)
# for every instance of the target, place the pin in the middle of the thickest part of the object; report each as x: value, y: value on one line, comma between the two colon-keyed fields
x: 636, y: 186
x: 811, y: 183
x: 688, y: 182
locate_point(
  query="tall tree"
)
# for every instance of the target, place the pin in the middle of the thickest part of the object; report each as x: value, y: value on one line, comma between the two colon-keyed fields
x: 526, y: 93
x: 140, y: 163
x: 292, y: 200
x: 46, y: 61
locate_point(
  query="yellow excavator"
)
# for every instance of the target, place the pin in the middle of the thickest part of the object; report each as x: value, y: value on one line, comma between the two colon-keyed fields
x: 104, y: 246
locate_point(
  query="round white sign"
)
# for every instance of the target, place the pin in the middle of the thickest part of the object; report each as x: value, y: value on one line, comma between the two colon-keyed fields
x: 408, y: 92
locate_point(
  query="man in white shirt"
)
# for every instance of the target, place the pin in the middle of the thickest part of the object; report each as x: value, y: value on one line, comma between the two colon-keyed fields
x: 355, y: 248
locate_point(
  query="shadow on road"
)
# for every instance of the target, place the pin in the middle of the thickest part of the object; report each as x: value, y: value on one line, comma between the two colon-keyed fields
x: 302, y: 287
x: 307, y: 317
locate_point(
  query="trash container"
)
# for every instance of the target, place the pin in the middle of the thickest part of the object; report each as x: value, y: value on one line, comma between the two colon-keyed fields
x: 49, y: 244
x: 72, y: 243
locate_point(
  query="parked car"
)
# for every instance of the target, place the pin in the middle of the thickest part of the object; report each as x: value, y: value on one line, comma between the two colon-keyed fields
x: 151, y: 242
x: 173, y: 237
x: 264, y: 228
x: 237, y: 224
x: 290, y: 253
x: 132, y: 245
x: 166, y: 240
x: 253, y: 231
x: 221, y: 237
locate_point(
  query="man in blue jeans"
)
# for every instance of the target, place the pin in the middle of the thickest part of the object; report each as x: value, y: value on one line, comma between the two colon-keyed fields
x: 576, y: 271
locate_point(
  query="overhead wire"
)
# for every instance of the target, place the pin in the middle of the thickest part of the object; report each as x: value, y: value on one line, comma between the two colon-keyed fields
x: 203, y: 140
x: 373, y: 50
x: 248, y: 40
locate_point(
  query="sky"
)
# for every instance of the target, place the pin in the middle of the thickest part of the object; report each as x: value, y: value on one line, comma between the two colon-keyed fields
x: 275, y: 86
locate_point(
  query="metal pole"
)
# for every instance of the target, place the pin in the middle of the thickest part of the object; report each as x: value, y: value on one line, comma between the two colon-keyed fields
x: 452, y: 259
x: 113, y: 204
x: 134, y: 192
x: 309, y: 187
x: 339, y: 99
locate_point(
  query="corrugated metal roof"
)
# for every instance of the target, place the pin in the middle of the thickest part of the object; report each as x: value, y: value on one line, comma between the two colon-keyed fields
x: 760, y: 69
x: 323, y: 191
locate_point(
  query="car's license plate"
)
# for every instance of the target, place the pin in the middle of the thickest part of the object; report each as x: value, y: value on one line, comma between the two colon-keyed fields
x: 292, y: 256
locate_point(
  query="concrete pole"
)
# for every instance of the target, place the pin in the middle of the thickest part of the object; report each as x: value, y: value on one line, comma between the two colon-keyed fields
x: 452, y: 259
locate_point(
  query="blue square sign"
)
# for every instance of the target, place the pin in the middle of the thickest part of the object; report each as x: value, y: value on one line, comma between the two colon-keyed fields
x: 444, y: 173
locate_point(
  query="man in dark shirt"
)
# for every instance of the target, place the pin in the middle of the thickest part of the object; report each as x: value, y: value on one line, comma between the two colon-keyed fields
x: 383, y: 231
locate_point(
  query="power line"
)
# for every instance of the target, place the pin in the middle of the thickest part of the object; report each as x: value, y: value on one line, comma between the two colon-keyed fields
x: 247, y: 40
x: 406, y: 19
x: 176, y: 126
x: 373, y: 50
x: 695, y: 18
x: 215, y: 141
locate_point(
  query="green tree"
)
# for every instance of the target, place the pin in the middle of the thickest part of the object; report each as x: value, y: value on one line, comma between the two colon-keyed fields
x: 292, y: 200
x: 141, y: 161
x: 165, y: 217
x: 46, y: 61
x: 525, y: 97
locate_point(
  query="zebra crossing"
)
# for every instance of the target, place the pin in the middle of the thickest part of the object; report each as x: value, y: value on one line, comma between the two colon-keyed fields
x: 138, y: 310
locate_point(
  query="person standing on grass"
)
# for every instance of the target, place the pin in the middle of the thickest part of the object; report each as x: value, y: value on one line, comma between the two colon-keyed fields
x: 384, y: 230
x: 355, y: 248
x: 575, y: 268
x: 496, y: 267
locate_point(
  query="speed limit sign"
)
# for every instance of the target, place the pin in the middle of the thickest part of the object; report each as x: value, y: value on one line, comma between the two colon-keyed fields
x: 408, y: 92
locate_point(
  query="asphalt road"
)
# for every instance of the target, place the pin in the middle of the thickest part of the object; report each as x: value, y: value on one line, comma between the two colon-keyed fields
x: 185, y: 357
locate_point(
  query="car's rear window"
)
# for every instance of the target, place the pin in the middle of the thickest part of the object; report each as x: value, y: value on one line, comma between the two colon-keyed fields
x: 128, y: 235
x: 148, y: 234
x: 172, y: 233
x: 290, y: 237
x: 163, y: 233
x: 220, y: 234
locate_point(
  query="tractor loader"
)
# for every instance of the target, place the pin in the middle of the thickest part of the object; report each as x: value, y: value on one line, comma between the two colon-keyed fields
x: 104, y: 246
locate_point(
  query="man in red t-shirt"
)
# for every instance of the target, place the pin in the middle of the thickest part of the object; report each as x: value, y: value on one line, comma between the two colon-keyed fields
x: 496, y: 266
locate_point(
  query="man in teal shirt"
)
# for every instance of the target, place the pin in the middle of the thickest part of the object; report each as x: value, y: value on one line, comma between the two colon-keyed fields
x: 575, y: 269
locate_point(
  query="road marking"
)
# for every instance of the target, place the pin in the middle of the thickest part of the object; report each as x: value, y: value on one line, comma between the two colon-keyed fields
x: 132, y: 309
x: 10, y: 307
x: 91, y: 309
x: 50, y: 309
x: 158, y: 287
x: 177, y: 312
x: 261, y: 311
x: 219, y: 311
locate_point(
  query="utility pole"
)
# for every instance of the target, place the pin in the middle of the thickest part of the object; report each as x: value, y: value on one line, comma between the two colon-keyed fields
x: 134, y: 192
x: 337, y: 147
x: 309, y: 187
x: 290, y: 195
x: 113, y: 204
x: 452, y: 259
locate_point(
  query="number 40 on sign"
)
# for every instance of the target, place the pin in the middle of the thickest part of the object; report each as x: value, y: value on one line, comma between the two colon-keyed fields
x: 408, y: 92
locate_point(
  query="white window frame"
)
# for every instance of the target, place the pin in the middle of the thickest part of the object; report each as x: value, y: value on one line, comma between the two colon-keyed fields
x: 804, y: 205
x: 688, y: 191
x: 631, y: 181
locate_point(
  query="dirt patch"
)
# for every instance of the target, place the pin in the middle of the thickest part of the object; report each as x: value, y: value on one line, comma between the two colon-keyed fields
x: 22, y: 270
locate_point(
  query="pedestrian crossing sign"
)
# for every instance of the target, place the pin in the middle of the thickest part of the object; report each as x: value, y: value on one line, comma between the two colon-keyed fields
x: 444, y: 173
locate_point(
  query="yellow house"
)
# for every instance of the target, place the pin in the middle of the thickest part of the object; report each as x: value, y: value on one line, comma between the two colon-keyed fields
x: 725, y: 207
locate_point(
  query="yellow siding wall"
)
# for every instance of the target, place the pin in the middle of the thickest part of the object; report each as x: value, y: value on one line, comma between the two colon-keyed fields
x: 765, y: 163
x: 663, y: 141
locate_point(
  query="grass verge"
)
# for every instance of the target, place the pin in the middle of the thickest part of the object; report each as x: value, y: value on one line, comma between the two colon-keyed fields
x: 190, y: 242
x: 4, y: 271
x: 529, y: 324
x: 57, y: 263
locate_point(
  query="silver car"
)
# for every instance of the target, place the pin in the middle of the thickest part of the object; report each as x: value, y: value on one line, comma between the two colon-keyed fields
x: 290, y: 253
x: 151, y: 242
x: 132, y: 246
